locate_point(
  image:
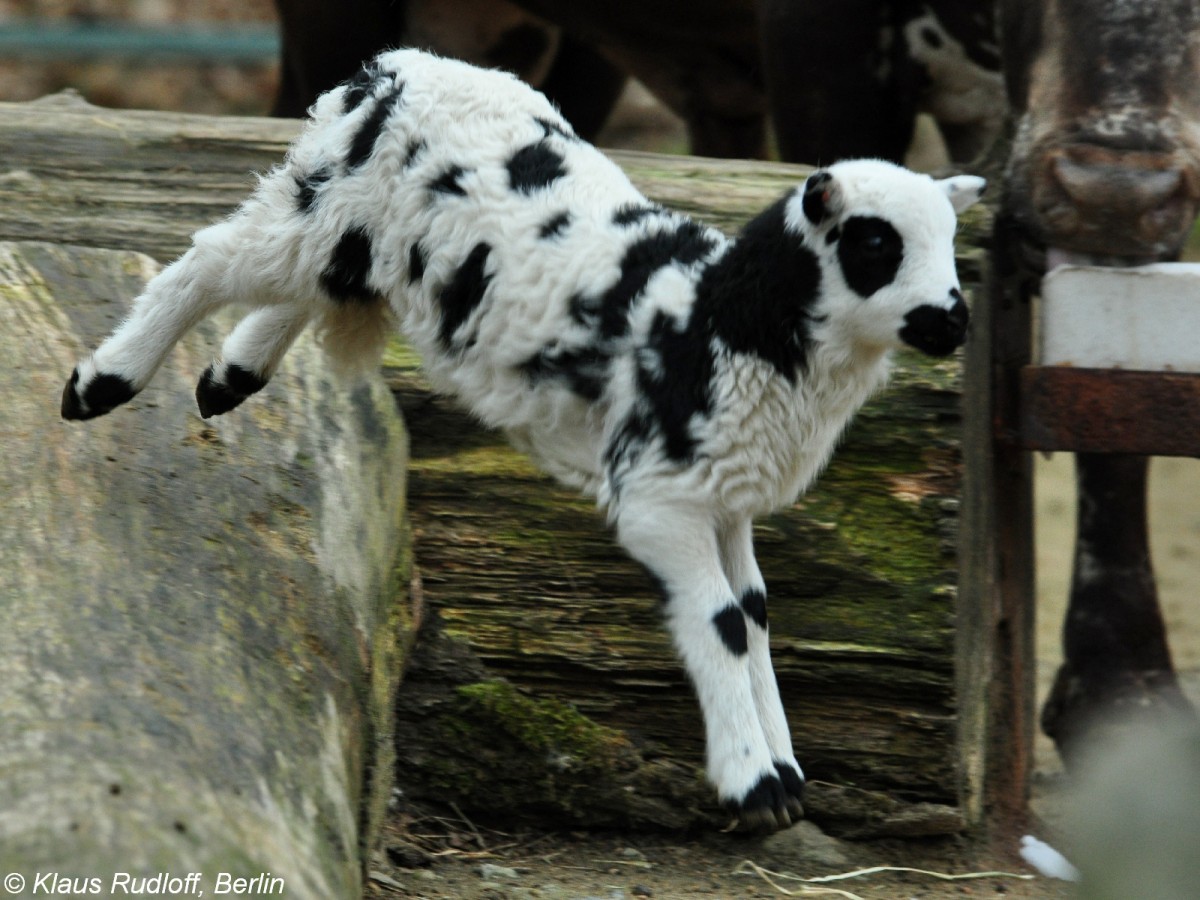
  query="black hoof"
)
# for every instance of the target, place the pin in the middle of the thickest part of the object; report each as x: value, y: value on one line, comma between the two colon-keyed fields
x: 1086, y: 709
x: 769, y: 806
x: 217, y: 397
x: 793, y: 789
x: 104, y: 394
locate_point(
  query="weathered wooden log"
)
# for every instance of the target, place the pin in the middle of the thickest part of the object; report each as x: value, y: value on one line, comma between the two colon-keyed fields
x: 862, y: 572
x: 861, y: 577
x: 74, y: 173
x: 201, y: 623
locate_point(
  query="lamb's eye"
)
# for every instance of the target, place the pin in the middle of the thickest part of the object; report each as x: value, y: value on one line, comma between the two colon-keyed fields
x: 870, y: 252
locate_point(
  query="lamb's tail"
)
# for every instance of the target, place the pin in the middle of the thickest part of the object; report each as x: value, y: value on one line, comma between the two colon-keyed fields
x: 354, y: 335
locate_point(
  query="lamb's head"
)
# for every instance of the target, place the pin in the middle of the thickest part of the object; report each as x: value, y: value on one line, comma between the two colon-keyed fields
x: 885, y: 239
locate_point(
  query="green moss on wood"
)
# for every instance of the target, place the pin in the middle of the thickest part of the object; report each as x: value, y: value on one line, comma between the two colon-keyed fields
x: 505, y: 752
x: 545, y: 725
x: 520, y: 747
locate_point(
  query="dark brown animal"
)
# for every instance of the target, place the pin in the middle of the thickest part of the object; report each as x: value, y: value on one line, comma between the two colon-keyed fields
x: 1105, y: 168
x: 325, y: 43
x: 835, y: 80
x: 848, y: 78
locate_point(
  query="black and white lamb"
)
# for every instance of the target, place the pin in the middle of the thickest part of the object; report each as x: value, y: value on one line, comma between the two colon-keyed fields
x: 691, y: 382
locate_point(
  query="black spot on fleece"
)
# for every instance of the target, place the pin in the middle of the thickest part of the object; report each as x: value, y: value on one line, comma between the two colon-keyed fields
x: 463, y: 293
x: 758, y: 296
x: 534, y: 167
x: 346, y: 275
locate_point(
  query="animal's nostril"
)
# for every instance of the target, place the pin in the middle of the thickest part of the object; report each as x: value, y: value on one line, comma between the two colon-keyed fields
x: 1116, y: 183
x: 958, y: 315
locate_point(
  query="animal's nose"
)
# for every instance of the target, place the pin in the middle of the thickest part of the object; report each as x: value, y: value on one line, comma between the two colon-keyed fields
x: 1119, y: 202
x: 958, y: 315
x: 936, y: 329
x: 1095, y: 177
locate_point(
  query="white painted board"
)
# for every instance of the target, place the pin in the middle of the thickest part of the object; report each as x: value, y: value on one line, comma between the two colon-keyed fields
x: 1144, y: 318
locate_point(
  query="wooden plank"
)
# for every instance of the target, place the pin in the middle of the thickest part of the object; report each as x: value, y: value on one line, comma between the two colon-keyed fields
x: 1143, y: 318
x: 130, y: 179
x: 1110, y: 411
x: 996, y: 603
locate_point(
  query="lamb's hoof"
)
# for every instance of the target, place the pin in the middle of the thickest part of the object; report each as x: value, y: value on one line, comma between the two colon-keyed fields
x: 793, y: 789
x: 103, y: 394
x: 218, y: 396
x: 773, y: 803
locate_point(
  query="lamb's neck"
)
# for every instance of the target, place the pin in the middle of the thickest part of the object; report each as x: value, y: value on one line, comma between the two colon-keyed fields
x: 836, y: 375
x: 756, y: 297
x: 787, y: 427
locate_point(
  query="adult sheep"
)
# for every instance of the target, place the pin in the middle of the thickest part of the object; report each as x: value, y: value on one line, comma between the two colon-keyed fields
x: 689, y: 381
x: 834, y: 80
x: 324, y: 43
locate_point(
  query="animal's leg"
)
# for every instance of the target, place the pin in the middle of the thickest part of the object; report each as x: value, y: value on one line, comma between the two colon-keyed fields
x: 250, y: 356
x: 584, y: 85
x: 1116, y: 658
x: 679, y: 547
x: 324, y: 44
x: 805, y: 47
x: 173, y: 303
x: 741, y: 569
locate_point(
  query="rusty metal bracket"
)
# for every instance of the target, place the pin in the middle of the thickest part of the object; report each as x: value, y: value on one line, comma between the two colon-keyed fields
x: 1109, y: 411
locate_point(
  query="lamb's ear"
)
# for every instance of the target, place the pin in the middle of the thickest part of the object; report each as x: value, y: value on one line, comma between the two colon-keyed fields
x: 822, y: 197
x: 963, y: 190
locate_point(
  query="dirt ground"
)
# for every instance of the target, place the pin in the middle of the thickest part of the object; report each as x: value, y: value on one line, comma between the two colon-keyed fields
x: 442, y: 854
x: 619, y: 867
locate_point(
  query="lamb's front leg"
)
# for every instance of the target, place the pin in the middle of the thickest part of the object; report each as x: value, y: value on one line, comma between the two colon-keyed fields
x: 741, y: 568
x: 678, y: 544
x: 173, y: 303
x: 121, y: 366
x: 250, y: 356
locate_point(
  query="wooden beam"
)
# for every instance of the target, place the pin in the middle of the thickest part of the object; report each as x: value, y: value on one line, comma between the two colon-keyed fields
x: 996, y: 590
x: 74, y: 173
x: 71, y: 172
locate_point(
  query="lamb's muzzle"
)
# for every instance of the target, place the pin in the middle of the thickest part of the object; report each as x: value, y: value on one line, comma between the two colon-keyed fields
x: 937, y: 330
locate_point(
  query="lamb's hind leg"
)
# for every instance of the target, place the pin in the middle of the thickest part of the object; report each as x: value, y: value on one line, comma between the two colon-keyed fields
x: 741, y: 568
x: 679, y: 546
x: 173, y: 303
x: 250, y: 356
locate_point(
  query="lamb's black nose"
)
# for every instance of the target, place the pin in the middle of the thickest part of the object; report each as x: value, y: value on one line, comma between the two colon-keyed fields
x: 937, y: 330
